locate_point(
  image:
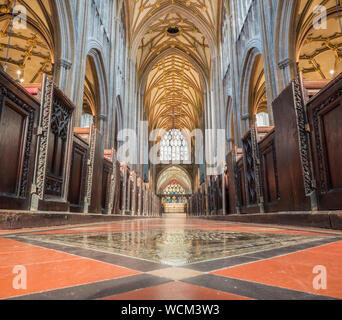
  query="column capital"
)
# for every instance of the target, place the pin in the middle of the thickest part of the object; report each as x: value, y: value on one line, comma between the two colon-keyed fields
x: 283, y: 64
x: 63, y: 63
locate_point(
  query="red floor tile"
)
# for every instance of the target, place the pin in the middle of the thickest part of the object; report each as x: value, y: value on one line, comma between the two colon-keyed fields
x: 49, y: 269
x: 176, y: 291
x: 295, y: 271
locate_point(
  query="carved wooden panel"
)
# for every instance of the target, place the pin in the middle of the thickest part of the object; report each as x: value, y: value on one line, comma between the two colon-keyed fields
x: 117, y: 189
x: 107, y: 171
x: 251, y: 182
x: 291, y: 148
x: 78, y: 174
x: 219, y: 182
x: 325, y: 114
x: 54, y: 149
x: 241, y: 190
x: 269, y: 171
x: 121, y: 200
x: 19, y: 113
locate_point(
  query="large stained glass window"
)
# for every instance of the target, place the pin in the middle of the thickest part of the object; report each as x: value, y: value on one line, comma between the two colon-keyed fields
x: 174, y: 147
x: 174, y: 193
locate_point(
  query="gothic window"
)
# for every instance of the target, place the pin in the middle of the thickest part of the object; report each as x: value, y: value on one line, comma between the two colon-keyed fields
x: 262, y: 119
x: 174, y: 147
x: 86, y: 120
x: 174, y: 193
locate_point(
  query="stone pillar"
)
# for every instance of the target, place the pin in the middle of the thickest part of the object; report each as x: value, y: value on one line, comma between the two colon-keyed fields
x: 62, y: 70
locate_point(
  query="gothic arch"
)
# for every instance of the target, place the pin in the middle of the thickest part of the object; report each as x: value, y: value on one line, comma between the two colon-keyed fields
x: 285, y: 41
x: 64, y: 35
x: 250, y: 61
x: 101, y: 87
x: 178, y: 174
x: 229, y: 121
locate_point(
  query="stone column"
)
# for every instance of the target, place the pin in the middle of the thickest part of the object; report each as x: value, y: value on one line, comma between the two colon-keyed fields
x: 62, y: 71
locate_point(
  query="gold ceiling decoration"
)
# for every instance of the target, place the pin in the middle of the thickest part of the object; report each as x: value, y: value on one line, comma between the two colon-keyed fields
x: 174, y: 88
x: 174, y: 94
x: 30, y: 48
x: 321, y: 49
x: 189, y: 40
x: 140, y: 10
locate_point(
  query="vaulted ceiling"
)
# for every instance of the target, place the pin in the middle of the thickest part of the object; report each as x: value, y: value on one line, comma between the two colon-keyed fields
x: 320, y: 48
x: 173, y: 57
x: 31, y: 48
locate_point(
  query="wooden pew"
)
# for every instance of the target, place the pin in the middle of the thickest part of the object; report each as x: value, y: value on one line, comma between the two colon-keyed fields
x: 78, y: 175
x: 93, y: 195
x: 19, y: 120
x: 235, y: 172
x: 269, y: 172
x: 325, y: 122
x: 54, y: 150
x: 292, y: 149
x: 108, y: 181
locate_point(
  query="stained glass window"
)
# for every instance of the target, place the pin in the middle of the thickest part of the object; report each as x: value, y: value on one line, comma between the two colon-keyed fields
x: 174, y: 193
x: 174, y: 147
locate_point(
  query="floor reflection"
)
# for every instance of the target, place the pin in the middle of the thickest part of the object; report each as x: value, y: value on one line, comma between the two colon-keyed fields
x: 174, y: 244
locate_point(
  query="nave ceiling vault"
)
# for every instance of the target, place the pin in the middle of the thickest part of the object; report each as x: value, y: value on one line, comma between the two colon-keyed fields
x: 31, y: 49
x: 173, y: 83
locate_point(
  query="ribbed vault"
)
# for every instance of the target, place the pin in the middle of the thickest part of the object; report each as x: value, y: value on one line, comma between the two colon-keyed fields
x: 173, y: 86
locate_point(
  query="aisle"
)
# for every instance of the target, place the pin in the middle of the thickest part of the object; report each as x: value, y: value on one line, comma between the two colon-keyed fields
x: 173, y: 258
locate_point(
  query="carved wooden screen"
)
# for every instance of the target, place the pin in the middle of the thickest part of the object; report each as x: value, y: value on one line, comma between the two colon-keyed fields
x: 220, y: 192
x: 226, y: 190
x: 269, y: 170
x: 54, y: 149
x: 137, y: 198
x: 233, y: 193
x: 132, y: 194
x: 121, y: 198
x: 80, y: 152
x: 106, y: 183
x: 117, y: 189
x: 200, y: 201
x: 203, y: 199
x: 292, y: 149
x: 128, y: 190
x: 325, y: 117
x: 252, y: 197
x: 241, y: 190
x: 19, y: 114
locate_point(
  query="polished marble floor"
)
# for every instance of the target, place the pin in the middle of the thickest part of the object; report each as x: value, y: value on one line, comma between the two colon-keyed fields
x: 173, y: 258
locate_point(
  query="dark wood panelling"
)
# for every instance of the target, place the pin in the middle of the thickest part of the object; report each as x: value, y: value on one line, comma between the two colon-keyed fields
x: 118, y: 190
x: 291, y: 181
x: 96, y: 193
x: 19, y: 114
x: 325, y: 117
x: 78, y: 174
x: 106, y: 175
x: 269, y: 172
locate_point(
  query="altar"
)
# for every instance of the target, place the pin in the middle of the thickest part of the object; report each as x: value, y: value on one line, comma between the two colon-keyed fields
x: 174, y: 207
